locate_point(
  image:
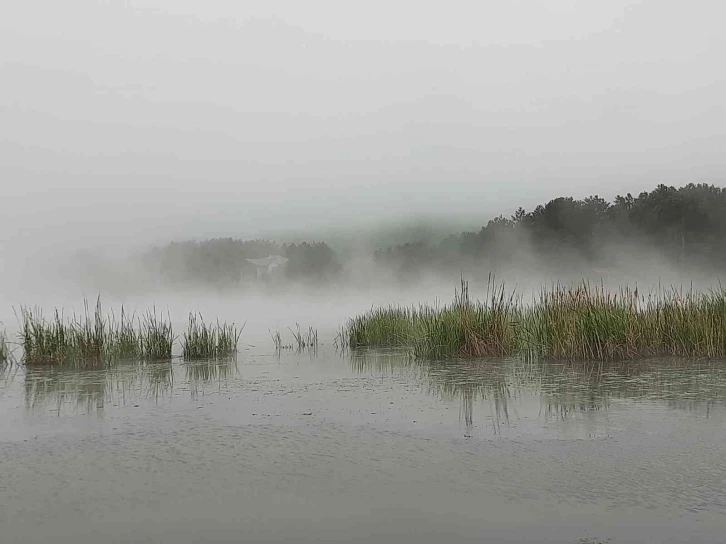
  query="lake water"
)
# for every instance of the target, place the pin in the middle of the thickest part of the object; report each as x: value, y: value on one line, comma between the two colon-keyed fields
x: 371, y: 447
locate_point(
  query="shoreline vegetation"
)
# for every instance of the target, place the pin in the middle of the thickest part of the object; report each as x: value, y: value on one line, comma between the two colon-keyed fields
x: 574, y: 323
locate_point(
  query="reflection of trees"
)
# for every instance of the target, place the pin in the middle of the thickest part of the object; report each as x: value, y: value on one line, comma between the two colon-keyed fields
x: 565, y: 390
x: 91, y: 391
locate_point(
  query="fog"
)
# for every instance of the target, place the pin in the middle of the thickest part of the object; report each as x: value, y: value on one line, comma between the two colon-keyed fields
x: 125, y: 124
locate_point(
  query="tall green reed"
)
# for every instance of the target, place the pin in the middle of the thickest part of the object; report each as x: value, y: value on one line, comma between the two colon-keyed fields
x: 209, y: 341
x: 577, y: 322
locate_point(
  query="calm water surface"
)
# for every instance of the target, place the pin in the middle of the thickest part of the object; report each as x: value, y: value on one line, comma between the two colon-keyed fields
x: 366, y: 448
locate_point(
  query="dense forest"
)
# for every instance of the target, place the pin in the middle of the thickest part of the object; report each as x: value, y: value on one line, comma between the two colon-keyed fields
x: 684, y: 225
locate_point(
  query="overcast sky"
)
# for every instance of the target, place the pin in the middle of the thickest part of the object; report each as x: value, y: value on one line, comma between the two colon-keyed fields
x: 145, y: 120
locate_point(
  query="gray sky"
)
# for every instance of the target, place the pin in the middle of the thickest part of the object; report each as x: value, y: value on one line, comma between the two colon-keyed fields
x: 144, y: 120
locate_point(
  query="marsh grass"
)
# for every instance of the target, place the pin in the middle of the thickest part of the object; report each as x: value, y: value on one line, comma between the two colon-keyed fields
x: 92, y: 340
x: 301, y: 340
x: 387, y: 326
x: 307, y: 340
x: 156, y: 336
x: 4, y: 349
x: 209, y: 341
x: 280, y: 345
x: 124, y: 339
x: 580, y: 322
x: 465, y: 328
x: 586, y: 322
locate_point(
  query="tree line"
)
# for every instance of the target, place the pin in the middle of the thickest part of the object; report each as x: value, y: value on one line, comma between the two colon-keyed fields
x: 685, y: 225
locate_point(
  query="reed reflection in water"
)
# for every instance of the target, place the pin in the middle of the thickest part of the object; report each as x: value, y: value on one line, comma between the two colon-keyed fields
x: 83, y: 391
x: 199, y: 374
x: 564, y: 390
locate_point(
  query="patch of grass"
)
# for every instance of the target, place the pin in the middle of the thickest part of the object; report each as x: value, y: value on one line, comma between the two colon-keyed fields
x: 579, y: 322
x: 156, y: 337
x: 4, y: 349
x: 466, y: 328
x: 92, y: 340
x: 590, y: 323
x: 387, y: 326
x: 58, y: 341
x: 209, y: 341
x: 124, y: 338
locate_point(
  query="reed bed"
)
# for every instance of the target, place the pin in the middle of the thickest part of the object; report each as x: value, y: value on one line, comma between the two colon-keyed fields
x: 156, y: 337
x: 209, y: 341
x: 388, y: 326
x: 92, y: 339
x: 578, y: 322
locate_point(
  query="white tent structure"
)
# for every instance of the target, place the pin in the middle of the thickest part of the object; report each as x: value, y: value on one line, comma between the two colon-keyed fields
x: 268, y: 265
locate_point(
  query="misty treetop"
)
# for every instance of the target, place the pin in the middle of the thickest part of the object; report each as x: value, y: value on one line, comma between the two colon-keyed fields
x: 686, y: 224
x: 223, y: 261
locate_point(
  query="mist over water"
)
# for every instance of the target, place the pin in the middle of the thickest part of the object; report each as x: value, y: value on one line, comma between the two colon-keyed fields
x: 248, y: 120
x: 152, y: 150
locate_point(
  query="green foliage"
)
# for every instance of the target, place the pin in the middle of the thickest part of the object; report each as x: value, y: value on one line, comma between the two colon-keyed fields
x: 380, y: 327
x: 687, y: 224
x: 92, y: 340
x: 209, y: 341
x: 571, y: 323
x: 156, y: 337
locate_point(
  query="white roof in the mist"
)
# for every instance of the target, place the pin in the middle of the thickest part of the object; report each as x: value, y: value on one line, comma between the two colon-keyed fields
x: 267, y: 261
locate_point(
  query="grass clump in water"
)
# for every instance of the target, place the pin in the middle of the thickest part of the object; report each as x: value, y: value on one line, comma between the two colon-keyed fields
x: 586, y: 322
x: 4, y: 349
x: 466, y: 328
x: 124, y: 339
x: 379, y: 327
x: 92, y: 340
x: 580, y: 322
x: 209, y: 341
x: 156, y: 337
x: 59, y: 341
x: 462, y: 329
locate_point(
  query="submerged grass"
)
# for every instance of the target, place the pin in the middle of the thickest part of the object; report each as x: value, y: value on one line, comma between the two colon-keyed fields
x: 209, y: 341
x: 578, y: 322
